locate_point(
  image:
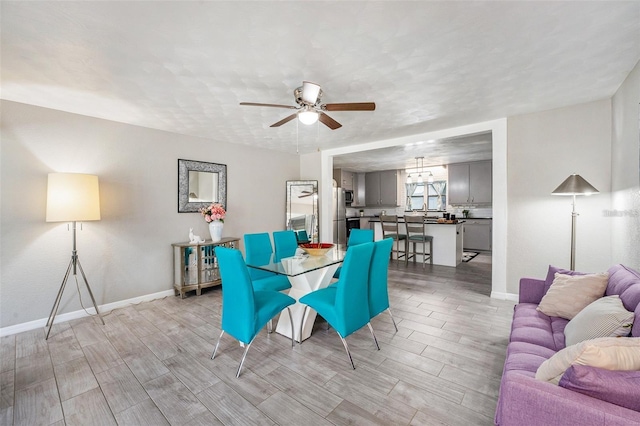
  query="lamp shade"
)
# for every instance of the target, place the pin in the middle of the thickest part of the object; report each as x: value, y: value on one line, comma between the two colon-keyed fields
x: 308, y: 117
x: 575, y: 185
x: 72, y: 197
x: 310, y: 92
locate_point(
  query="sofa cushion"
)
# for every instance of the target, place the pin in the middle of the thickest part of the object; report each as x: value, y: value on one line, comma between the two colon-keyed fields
x: 611, y: 353
x: 617, y: 387
x: 626, y: 283
x: 606, y: 317
x: 569, y: 294
x: 532, y: 326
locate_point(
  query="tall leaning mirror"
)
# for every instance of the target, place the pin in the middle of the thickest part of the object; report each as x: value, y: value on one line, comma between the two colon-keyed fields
x: 302, y: 207
x: 200, y: 184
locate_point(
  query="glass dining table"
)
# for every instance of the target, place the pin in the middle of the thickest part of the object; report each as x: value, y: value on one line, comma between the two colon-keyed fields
x: 306, y: 274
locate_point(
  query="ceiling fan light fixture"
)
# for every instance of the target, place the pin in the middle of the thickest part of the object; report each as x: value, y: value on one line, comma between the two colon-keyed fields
x: 310, y: 92
x: 308, y: 117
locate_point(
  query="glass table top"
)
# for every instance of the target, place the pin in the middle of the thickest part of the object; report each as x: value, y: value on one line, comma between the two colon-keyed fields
x: 299, y: 264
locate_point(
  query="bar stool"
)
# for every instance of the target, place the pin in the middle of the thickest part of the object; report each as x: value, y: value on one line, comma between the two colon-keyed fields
x: 416, y: 235
x: 391, y: 229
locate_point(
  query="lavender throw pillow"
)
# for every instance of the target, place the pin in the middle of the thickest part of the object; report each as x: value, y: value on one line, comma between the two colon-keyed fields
x: 617, y: 387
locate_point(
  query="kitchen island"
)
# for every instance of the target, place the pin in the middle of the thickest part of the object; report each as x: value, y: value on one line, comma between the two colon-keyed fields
x: 447, y: 239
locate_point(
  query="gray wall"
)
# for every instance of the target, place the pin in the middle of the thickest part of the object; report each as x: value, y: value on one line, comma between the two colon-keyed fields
x: 128, y: 253
x: 543, y: 150
x: 625, y: 182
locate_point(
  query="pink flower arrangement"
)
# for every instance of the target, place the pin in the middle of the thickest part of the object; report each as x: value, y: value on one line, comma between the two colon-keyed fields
x: 213, y: 212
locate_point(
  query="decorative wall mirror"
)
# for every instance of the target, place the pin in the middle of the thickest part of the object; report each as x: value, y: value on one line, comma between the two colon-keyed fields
x: 302, y: 207
x: 200, y: 184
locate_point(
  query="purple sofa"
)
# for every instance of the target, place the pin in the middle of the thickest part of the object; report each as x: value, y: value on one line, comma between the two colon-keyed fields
x: 536, y: 337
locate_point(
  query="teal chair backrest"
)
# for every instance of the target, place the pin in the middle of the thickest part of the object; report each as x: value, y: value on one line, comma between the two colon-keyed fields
x: 258, y: 251
x: 285, y: 243
x: 378, y: 276
x: 360, y: 236
x: 238, y: 305
x: 352, y: 295
x: 302, y: 236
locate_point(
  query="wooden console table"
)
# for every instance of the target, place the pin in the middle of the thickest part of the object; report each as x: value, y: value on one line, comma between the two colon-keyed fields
x: 195, y: 265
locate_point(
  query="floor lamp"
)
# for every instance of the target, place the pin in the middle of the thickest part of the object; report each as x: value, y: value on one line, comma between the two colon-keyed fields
x: 574, y: 185
x: 72, y: 197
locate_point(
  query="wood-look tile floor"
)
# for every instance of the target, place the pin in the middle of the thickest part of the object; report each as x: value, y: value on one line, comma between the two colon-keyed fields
x: 150, y: 364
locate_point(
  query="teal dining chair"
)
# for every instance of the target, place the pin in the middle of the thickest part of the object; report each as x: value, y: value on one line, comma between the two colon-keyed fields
x: 302, y: 237
x: 345, y: 304
x: 378, y: 279
x: 258, y: 251
x: 244, y: 310
x: 357, y: 236
x: 285, y: 244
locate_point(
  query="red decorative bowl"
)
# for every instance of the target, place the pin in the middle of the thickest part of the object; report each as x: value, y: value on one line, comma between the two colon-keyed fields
x: 316, y: 249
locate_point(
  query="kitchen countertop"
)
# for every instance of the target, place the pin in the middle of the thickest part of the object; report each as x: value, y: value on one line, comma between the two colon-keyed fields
x: 426, y: 221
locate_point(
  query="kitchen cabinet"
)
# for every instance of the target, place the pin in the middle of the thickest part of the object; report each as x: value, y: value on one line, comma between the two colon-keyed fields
x: 381, y: 188
x: 470, y: 183
x: 344, y: 179
x: 477, y: 234
x: 358, y: 190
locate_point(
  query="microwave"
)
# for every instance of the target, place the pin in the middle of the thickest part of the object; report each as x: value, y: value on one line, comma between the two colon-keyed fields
x: 348, y: 197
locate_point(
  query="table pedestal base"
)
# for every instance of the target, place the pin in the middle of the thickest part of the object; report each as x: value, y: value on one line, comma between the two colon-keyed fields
x: 300, y: 286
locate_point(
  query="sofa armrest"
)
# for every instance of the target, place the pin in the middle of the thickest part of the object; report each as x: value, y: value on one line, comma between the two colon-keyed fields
x: 525, y: 401
x: 531, y: 290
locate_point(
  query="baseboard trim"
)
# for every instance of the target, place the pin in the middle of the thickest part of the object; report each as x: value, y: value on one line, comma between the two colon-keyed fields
x: 504, y: 296
x: 32, y: 325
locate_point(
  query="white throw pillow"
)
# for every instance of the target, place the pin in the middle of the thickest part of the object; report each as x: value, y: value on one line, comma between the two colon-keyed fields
x: 610, y: 353
x: 569, y: 294
x: 606, y: 317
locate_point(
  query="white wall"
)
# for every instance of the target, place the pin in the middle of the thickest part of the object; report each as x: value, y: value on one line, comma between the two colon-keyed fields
x: 128, y: 253
x: 625, y: 182
x: 543, y: 150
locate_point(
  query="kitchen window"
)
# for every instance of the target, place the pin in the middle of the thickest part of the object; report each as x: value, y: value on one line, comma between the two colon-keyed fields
x: 435, y: 190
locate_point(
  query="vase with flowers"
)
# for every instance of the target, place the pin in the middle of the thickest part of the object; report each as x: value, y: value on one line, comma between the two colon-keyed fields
x: 214, y: 216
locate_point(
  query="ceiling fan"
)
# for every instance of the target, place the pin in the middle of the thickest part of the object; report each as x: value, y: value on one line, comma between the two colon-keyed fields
x: 310, y: 109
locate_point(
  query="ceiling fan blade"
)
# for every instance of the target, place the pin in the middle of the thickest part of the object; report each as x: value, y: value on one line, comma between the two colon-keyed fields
x: 328, y: 121
x: 351, y: 106
x: 267, y: 105
x: 284, y: 120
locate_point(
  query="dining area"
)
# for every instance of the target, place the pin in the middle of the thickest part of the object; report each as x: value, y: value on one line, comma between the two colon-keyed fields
x: 347, y: 287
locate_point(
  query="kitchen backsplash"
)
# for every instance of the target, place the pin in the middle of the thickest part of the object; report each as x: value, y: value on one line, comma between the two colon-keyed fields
x: 485, y: 212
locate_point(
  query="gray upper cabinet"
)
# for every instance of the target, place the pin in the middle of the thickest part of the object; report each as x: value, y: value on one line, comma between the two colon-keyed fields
x: 470, y: 183
x: 381, y: 188
x: 344, y: 179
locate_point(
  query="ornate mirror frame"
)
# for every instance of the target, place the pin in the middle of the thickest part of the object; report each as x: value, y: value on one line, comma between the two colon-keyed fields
x: 302, y: 207
x: 186, y: 166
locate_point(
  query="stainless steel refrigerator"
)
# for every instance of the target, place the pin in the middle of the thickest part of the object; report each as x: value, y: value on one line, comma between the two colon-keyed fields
x: 339, y: 217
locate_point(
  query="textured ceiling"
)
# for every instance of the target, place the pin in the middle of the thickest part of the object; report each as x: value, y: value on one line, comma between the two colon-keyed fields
x: 184, y: 66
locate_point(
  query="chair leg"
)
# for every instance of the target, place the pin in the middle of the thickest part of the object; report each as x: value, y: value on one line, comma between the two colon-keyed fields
x: 302, y: 321
x: 374, y: 336
x: 244, y: 355
x: 346, y: 347
x: 431, y: 252
x: 291, y: 321
x: 270, y: 326
x: 392, y: 320
x: 216, y: 348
